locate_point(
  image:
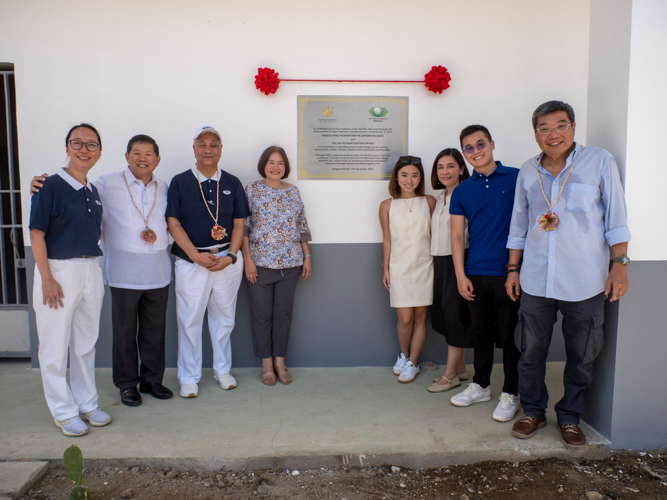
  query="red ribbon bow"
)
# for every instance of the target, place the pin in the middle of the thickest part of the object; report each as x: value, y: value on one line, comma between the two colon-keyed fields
x: 267, y: 81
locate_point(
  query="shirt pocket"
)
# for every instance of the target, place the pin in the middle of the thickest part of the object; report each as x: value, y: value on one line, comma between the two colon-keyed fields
x: 581, y: 197
x: 226, y: 203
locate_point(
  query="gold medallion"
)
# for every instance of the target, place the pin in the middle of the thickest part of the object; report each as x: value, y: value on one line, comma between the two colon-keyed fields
x: 218, y: 232
x: 548, y: 221
x: 148, y: 236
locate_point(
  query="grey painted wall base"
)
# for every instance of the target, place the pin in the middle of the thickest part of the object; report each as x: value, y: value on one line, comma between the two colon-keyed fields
x: 627, y: 401
x: 341, y: 318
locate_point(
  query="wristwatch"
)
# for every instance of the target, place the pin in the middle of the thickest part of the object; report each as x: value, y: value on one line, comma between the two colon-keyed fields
x: 232, y: 256
x: 623, y: 259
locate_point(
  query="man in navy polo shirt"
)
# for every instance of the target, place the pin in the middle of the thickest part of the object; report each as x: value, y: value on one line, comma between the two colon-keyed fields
x: 205, y: 215
x: 486, y: 200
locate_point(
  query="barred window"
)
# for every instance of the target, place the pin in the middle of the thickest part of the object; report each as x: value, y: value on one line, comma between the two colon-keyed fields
x: 13, y: 289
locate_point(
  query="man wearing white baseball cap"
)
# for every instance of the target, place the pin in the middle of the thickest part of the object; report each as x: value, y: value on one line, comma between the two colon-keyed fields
x: 206, y: 214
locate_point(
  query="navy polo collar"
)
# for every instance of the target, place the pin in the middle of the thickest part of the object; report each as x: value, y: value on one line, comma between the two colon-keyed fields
x: 500, y: 169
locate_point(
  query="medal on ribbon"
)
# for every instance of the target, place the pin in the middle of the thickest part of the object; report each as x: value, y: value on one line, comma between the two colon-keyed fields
x: 148, y: 236
x: 217, y: 232
x: 549, y: 221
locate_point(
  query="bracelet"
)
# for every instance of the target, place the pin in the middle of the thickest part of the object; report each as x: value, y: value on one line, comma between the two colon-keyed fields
x: 385, y: 264
x: 306, y: 255
x: 512, y: 266
x: 512, y: 271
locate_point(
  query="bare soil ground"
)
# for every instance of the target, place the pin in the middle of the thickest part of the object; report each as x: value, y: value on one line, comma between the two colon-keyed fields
x: 626, y: 476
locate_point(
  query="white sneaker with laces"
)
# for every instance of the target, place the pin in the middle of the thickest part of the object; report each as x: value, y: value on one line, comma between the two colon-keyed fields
x: 507, y: 407
x: 189, y: 391
x: 401, y: 361
x: 474, y: 393
x: 409, y: 373
x: 227, y: 381
x: 96, y: 418
x: 72, y: 426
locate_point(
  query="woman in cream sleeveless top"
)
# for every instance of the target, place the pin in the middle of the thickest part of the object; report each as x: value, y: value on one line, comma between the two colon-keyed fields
x: 407, y: 261
x: 410, y: 261
x: 450, y: 316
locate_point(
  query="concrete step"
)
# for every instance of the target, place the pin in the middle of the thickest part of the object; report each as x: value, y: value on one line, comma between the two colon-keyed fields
x: 326, y: 417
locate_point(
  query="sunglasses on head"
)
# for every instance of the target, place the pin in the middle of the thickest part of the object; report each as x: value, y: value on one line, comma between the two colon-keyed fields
x: 406, y: 160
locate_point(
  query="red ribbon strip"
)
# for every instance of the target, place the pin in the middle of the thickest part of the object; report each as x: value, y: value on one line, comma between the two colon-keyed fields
x: 436, y: 80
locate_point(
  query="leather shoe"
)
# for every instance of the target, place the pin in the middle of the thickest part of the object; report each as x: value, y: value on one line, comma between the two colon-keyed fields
x: 526, y: 426
x: 156, y: 390
x: 449, y: 384
x: 130, y: 397
x: 572, y: 436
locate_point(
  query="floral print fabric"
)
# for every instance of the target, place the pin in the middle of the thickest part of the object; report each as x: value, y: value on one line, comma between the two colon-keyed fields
x: 276, y: 227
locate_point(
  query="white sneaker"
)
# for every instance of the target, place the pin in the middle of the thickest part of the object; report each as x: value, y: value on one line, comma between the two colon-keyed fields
x: 226, y: 380
x: 409, y: 373
x: 72, y: 426
x: 507, y: 407
x: 96, y: 418
x: 401, y: 361
x: 474, y: 393
x: 189, y: 391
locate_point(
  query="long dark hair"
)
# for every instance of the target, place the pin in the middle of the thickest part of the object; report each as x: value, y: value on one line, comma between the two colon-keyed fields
x: 458, y: 157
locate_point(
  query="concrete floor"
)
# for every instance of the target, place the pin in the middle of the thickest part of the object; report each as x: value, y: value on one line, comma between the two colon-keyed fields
x: 326, y: 417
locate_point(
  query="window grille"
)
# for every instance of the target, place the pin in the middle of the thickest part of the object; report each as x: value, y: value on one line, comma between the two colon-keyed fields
x: 13, y: 289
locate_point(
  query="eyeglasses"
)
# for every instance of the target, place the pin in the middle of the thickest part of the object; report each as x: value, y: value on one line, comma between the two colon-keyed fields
x: 561, y: 127
x: 90, y: 146
x: 471, y: 149
x: 406, y: 160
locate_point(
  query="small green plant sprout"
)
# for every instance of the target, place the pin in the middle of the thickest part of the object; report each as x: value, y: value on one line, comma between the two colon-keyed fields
x: 73, y: 459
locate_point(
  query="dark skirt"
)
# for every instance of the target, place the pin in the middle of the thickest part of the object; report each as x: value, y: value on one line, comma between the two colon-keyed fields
x: 449, y: 313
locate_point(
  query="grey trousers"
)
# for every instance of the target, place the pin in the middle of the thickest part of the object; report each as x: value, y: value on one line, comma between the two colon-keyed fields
x: 271, y: 301
x: 583, y: 335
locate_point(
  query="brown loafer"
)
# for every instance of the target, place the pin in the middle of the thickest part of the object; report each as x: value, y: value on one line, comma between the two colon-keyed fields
x: 449, y: 384
x: 526, y: 426
x: 572, y: 436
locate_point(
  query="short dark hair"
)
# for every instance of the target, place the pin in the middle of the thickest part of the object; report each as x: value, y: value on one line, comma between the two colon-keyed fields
x: 264, y: 159
x: 143, y: 139
x: 471, y: 129
x: 551, y: 107
x: 395, y: 189
x: 84, y: 125
x: 458, y: 157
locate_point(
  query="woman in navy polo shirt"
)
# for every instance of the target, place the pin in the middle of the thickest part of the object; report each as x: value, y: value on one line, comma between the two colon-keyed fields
x: 65, y: 223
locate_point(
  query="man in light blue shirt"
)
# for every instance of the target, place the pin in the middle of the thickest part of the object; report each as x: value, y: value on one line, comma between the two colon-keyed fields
x: 569, y: 210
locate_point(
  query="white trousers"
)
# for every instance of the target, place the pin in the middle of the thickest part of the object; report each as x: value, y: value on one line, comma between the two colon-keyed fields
x: 197, y: 290
x: 72, y: 328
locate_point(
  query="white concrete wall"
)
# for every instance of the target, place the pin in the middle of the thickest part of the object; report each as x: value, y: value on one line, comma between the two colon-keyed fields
x: 165, y: 67
x: 647, y: 109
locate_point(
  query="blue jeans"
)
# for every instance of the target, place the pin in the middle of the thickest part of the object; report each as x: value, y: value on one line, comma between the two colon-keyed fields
x: 583, y: 335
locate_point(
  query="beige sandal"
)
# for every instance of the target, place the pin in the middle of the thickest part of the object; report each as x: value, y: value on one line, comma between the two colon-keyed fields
x: 462, y: 376
x: 268, y: 376
x: 449, y: 384
x: 283, y: 375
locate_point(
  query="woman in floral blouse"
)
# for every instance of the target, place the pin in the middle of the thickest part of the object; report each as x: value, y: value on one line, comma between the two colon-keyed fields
x: 276, y: 253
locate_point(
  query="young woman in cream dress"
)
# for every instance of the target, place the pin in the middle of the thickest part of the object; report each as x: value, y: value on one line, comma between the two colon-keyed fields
x: 407, y: 261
